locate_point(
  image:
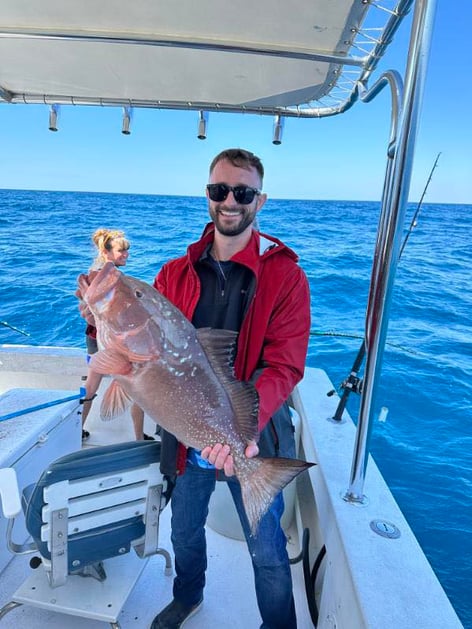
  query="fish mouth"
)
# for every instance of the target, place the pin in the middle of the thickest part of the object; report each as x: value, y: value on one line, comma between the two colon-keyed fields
x: 110, y: 298
x: 100, y: 291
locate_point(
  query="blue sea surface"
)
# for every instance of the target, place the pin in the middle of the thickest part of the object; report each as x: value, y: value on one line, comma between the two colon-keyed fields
x: 423, y: 449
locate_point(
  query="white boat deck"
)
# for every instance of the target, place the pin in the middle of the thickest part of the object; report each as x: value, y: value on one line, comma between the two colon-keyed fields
x: 229, y: 594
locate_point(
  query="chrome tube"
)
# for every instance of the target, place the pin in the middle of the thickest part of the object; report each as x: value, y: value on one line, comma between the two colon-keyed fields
x: 125, y: 128
x: 202, y: 125
x: 394, y: 201
x: 278, y: 130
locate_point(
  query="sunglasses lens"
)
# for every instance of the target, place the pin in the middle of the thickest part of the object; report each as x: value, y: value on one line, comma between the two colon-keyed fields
x: 218, y: 192
x: 244, y: 195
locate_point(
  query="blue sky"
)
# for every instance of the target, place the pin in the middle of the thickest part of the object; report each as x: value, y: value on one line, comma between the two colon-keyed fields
x: 342, y: 157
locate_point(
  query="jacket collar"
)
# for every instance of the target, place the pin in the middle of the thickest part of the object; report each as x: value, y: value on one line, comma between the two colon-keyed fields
x: 259, y: 247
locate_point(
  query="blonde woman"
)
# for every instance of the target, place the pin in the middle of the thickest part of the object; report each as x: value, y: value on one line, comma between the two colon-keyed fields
x: 112, y: 246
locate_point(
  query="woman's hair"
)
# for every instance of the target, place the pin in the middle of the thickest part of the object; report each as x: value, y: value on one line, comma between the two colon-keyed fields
x: 104, y: 239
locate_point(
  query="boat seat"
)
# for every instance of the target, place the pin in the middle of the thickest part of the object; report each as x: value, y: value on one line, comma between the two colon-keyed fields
x: 85, y: 514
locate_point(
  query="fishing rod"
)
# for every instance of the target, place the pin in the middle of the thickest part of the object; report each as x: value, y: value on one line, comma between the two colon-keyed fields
x: 12, y: 327
x: 353, y: 383
x: 420, y: 203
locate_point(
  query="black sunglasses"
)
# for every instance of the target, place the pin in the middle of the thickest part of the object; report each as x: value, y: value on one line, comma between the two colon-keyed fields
x: 243, y: 194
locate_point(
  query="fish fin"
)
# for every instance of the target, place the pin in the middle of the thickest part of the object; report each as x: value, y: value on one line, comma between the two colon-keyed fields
x: 108, y: 361
x: 245, y: 402
x: 263, y: 483
x: 220, y: 348
x: 114, y: 402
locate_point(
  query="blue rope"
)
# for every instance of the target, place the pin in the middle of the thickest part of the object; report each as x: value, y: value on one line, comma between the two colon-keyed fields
x: 38, y: 407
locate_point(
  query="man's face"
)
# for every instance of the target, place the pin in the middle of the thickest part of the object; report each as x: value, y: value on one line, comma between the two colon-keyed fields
x: 230, y: 217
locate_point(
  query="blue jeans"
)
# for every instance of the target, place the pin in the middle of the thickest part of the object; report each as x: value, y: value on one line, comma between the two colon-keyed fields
x: 268, y: 551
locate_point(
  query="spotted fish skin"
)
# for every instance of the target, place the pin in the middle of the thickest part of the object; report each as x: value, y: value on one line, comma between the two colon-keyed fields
x: 181, y: 377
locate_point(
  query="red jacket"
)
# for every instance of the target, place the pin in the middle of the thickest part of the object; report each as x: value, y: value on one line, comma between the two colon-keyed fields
x: 275, y: 331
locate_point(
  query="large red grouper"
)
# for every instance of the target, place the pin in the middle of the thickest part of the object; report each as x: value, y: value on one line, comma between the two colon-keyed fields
x: 181, y: 377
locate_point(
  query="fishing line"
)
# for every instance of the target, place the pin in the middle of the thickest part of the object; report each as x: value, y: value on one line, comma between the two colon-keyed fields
x: 407, y: 350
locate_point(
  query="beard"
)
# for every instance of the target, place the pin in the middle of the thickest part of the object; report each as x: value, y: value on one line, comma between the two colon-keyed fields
x: 246, y: 218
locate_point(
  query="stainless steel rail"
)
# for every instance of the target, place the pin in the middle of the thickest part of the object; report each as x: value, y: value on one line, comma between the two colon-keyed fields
x: 387, y: 249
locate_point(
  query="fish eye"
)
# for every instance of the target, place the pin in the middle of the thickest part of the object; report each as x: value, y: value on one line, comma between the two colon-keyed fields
x: 138, y: 293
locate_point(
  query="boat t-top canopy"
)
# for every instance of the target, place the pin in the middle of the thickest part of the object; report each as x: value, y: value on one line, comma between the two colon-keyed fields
x: 274, y: 57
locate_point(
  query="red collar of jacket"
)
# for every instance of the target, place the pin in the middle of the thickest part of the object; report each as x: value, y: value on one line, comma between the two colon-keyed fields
x: 259, y: 246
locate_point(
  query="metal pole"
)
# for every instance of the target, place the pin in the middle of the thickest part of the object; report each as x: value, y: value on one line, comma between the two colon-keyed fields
x: 389, y: 239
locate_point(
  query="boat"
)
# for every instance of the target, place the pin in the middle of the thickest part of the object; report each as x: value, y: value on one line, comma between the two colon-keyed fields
x: 356, y: 563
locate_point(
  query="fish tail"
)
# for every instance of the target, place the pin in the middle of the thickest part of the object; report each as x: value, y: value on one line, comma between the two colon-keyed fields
x: 266, y: 479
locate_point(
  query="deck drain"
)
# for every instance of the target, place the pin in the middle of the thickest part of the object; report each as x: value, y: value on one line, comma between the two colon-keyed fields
x: 385, y: 529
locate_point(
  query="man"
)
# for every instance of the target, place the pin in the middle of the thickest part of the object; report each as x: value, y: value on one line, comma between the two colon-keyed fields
x: 238, y: 279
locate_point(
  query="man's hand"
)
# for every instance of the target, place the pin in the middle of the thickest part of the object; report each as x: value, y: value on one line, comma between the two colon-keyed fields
x: 219, y: 456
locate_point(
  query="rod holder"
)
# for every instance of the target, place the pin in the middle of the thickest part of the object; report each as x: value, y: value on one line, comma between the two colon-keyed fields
x: 125, y: 129
x: 53, y: 113
x: 202, y: 125
x: 278, y: 130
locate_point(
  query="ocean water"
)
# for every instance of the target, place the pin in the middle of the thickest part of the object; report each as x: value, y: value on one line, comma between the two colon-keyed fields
x: 424, y: 448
